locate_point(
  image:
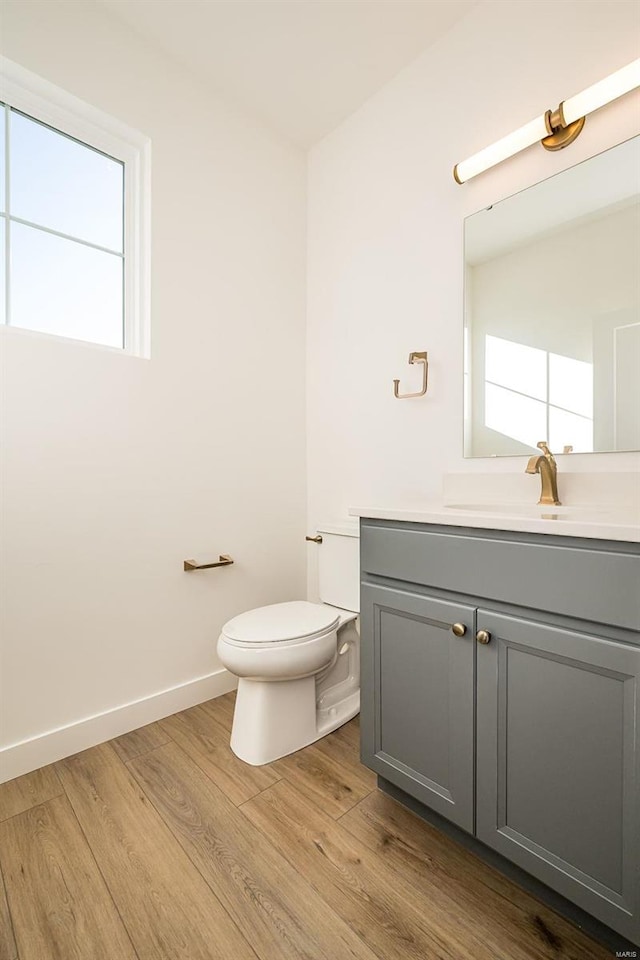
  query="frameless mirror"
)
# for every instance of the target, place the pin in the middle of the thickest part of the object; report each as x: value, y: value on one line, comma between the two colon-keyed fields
x: 552, y: 313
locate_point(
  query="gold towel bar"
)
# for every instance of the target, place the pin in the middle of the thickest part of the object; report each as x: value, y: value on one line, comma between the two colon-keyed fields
x: 224, y: 561
x: 416, y: 357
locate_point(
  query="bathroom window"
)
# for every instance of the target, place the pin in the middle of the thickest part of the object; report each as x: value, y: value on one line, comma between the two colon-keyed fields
x: 532, y: 394
x: 73, y: 204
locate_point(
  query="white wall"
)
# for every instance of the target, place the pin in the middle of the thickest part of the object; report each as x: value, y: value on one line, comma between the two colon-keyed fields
x: 385, y: 262
x: 117, y: 468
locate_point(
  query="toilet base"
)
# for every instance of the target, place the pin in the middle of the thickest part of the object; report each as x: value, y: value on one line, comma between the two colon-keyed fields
x: 274, y: 718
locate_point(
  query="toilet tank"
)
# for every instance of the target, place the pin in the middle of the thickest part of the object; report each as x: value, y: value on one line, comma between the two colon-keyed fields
x: 339, y: 564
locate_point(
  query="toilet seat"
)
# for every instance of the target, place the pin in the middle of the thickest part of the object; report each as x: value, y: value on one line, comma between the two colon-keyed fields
x: 280, y: 624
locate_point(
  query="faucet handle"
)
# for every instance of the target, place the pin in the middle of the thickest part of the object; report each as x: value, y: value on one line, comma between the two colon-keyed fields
x: 544, y: 446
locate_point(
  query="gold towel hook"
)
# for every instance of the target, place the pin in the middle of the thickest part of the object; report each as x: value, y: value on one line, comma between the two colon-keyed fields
x: 420, y: 357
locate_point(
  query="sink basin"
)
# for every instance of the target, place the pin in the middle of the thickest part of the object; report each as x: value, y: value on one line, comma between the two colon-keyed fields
x: 531, y: 510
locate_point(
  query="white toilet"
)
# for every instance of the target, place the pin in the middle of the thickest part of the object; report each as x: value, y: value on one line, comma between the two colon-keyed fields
x: 298, y: 663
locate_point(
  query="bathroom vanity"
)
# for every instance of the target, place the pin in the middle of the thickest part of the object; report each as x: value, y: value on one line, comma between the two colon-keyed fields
x: 501, y: 690
x: 500, y: 639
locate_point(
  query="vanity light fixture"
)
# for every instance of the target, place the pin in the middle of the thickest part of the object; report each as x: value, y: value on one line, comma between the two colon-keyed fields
x: 555, y: 129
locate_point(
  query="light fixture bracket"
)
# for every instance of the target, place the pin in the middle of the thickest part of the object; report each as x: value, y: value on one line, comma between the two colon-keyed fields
x: 561, y: 134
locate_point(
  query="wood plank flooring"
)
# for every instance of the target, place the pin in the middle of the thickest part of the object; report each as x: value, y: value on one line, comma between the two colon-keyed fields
x: 8, y: 948
x: 26, y: 792
x: 132, y: 744
x: 57, y: 895
x: 162, y: 845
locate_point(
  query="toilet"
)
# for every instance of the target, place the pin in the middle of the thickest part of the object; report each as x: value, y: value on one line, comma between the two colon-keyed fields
x: 298, y: 663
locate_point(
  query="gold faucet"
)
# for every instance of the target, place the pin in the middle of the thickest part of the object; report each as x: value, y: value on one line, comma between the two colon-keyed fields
x: 546, y: 466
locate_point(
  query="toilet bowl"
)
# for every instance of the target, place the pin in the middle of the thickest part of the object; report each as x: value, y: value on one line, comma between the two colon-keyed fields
x: 298, y: 663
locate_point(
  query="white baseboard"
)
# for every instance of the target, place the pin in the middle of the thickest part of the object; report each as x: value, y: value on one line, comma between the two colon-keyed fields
x: 28, y: 755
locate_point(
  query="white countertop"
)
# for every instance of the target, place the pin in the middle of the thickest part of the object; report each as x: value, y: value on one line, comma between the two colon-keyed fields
x: 597, y: 522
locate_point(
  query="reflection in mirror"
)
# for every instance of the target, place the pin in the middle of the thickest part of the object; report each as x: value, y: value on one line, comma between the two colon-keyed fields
x: 552, y: 313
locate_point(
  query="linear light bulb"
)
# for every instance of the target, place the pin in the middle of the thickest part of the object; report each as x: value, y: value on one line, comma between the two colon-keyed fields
x: 603, y: 92
x: 572, y: 110
x: 532, y: 132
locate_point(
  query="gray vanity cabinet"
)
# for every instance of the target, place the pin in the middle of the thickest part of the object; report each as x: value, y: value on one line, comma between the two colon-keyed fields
x: 419, y: 723
x: 528, y: 741
x: 557, y: 778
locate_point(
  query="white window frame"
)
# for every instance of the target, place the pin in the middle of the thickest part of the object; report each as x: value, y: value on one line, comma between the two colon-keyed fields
x: 36, y: 97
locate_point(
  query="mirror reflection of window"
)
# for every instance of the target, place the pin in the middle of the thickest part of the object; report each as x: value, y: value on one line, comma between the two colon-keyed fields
x: 516, y: 366
x: 571, y: 385
x: 533, y: 395
x: 511, y: 414
x: 570, y: 403
x: 566, y: 429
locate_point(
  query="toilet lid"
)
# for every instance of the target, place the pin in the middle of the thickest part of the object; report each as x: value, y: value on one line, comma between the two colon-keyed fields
x: 279, y: 622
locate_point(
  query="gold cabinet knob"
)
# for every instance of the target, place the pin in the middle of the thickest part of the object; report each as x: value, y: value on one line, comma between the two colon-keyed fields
x: 458, y: 629
x: 317, y: 539
x: 483, y: 636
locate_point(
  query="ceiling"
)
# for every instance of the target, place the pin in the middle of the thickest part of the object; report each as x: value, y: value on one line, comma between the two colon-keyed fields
x: 302, y: 66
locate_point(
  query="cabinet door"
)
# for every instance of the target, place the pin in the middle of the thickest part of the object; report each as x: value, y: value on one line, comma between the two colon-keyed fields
x: 557, y: 762
x: 417, y: 697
